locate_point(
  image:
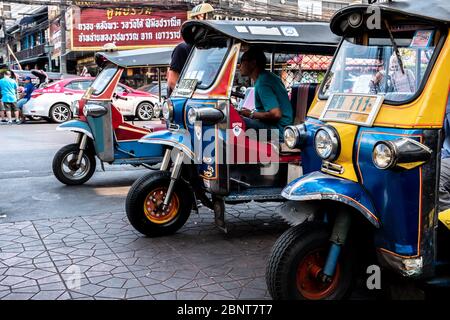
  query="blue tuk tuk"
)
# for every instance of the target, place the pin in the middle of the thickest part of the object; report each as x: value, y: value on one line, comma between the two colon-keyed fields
x: 211, y: 158
x: 101, y: 129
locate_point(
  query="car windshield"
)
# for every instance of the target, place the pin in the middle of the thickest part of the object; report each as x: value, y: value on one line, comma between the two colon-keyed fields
x: 375, y: 68
x: 204, y: 65
x: 103, y: 79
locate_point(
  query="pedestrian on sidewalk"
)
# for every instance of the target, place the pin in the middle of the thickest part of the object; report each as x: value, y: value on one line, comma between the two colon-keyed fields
x: 8, y: 89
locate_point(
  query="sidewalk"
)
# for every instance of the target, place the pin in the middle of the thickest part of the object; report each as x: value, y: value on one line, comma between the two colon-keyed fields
x: 103, y: 257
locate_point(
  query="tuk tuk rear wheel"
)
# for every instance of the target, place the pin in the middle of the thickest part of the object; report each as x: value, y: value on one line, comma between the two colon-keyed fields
x: 144, y: 205
x: 65, y: 168
x: 296, y: 260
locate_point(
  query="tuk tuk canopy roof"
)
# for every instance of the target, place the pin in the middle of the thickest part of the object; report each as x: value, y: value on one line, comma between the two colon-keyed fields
x: 433, y: 10
x: 277, y: 36
x: 148, y: 57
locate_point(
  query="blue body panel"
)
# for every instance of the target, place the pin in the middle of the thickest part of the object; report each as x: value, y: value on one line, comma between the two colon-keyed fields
x: 207, y: 146
x: 321, y: 186
x: 142, y: 151
x: 179, y: 139
x: 310, y: 160
x: 77, y: 126
x: 396, y: 194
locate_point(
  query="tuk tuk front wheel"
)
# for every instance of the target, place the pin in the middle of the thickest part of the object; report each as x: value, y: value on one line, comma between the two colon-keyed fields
x: 296, y: 261
x: 144, y: 205
x: 65, y: 166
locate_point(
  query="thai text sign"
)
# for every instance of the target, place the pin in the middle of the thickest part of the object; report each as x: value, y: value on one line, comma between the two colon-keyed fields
x: 127, y: 28
x: 352, y: 108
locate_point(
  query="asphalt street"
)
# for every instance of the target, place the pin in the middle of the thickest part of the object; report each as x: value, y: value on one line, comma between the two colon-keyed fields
x: 29, y: 189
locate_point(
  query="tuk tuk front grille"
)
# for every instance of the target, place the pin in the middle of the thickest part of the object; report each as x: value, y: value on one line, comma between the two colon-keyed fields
x: 332, y: 168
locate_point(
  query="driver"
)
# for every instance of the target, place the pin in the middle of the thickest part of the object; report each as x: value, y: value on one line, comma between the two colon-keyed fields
x: 273, y: 109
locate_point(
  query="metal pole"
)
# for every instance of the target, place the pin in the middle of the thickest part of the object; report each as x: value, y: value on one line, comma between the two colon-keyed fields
x: 159, y: 83
x: 49, y: 62
x: 62, y: 23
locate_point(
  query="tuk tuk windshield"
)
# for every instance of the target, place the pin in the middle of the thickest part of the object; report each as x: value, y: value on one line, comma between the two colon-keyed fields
x: 204, y: 65
x: 103, y: 79
x: 375, y: 68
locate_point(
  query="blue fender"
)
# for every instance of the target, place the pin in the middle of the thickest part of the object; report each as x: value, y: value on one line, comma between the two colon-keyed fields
x: 179, y: 139
x: 77, y: 126
x: 320, y: 186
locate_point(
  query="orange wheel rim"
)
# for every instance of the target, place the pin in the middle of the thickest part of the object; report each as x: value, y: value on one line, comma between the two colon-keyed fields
x: 308, y: 284
x: 153, y: 206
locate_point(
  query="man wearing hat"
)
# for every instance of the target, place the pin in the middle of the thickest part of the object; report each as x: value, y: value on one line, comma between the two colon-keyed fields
x: 26, y: 94
x: 182, y: 50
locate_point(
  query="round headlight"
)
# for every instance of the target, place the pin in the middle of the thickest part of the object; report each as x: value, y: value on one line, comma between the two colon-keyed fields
x: 295, y: 136
x: 192, y: 116
x: 291, y: 137
x: 167, y: 110
x: 326, y: 143
x: 383, y: 155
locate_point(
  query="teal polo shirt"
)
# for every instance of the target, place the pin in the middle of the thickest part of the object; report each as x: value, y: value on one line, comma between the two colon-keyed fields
x: 271, y: 93
x: 8, y: 88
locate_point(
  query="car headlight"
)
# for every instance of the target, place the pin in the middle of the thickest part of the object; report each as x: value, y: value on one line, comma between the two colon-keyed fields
x: 295, y: 136
x: 192, y: 115
x: 167, y: 110
x: 326, y: 143
x: 383, y: 155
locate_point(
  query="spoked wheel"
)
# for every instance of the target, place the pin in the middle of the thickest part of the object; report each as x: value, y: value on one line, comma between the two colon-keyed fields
x: 145, y: 111
x: 65, y: 166
x: 144, y: 205
x: 294, y: 270
x: 60, y: 113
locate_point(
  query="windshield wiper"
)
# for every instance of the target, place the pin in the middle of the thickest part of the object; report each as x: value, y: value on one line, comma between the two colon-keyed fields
x: 394, y: 45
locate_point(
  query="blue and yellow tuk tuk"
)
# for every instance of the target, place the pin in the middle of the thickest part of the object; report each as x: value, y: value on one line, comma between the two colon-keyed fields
x: 211, y: 158
x: 377, y: 126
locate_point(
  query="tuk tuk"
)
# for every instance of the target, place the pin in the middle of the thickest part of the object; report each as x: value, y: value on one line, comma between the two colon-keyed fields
x: 377, y: 126
x: 101, y: 129
x: 211, y: 160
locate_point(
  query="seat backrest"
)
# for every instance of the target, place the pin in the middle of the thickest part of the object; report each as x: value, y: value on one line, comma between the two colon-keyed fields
x: 301, y: 98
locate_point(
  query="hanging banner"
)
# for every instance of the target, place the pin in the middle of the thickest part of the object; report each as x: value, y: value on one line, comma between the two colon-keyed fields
x: 127, y: 28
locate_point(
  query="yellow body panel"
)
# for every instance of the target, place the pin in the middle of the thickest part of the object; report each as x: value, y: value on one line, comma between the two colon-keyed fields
x: 444, y: 217
x: 347, y: 135
x: 427, y: 111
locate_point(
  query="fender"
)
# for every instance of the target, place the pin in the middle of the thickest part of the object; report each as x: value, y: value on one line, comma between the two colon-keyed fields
x: 320, y: 186
x: 76, y: 126
x: 179, y: 139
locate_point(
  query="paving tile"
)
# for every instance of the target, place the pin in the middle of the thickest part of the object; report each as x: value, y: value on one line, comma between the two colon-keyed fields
x: 112, y: 293
x: 48, y: 295
x: 107, y: 259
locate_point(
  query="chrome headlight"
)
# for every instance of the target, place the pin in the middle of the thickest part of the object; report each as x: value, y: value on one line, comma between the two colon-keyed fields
x: 326, y: 143
x: 95, y: 110
x: 167, y: 110
x: 383, y: 155
x: 192, y: 116
x: 295, y: 136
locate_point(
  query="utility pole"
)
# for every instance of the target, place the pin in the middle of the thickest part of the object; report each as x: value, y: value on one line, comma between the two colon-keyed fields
x: 62, y: 24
